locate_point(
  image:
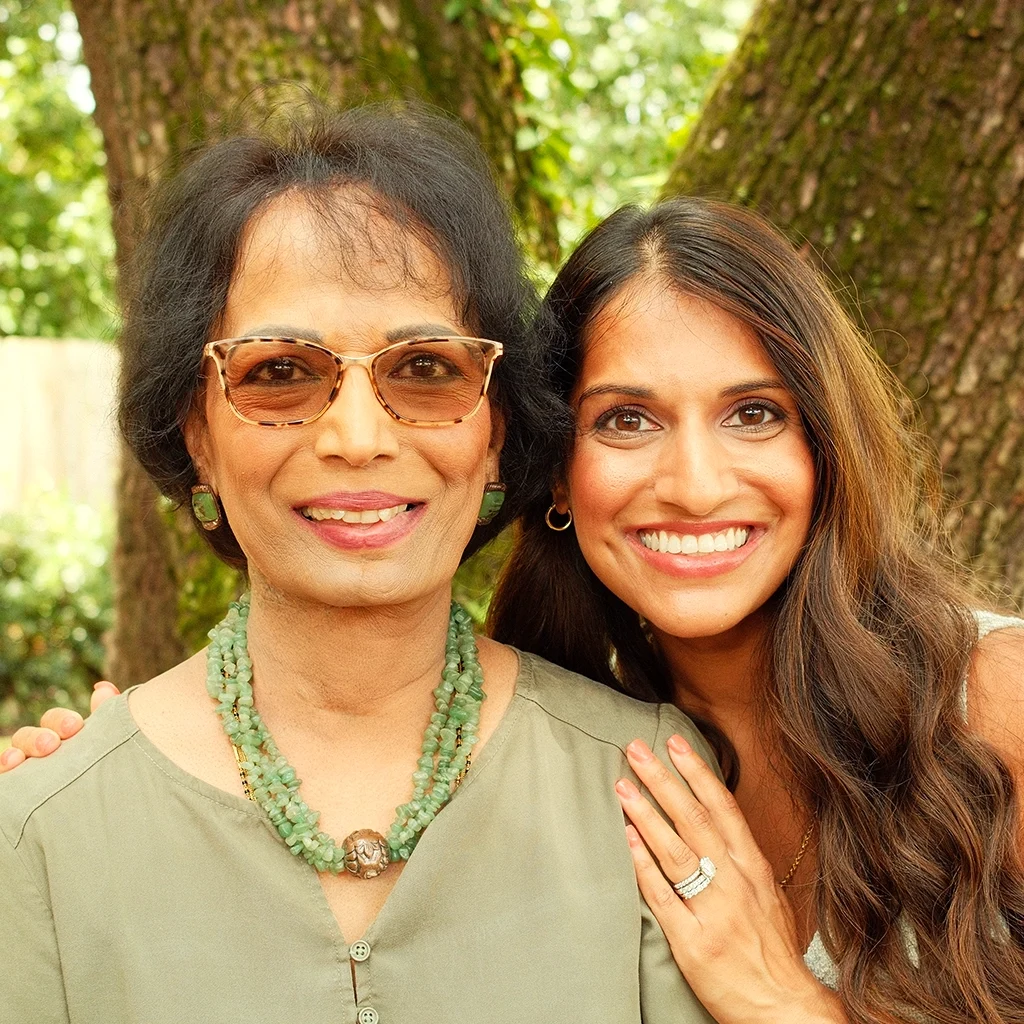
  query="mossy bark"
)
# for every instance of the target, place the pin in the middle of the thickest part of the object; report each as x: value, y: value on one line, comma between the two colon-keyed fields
x: 888, y: 137
x: 167, y: 75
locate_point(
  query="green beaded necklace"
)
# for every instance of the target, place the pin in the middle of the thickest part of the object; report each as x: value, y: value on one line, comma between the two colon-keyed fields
x: 270, y: 782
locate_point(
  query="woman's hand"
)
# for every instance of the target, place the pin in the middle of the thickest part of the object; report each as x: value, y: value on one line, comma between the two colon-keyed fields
x: 736, y: 941
x: 56, y: 725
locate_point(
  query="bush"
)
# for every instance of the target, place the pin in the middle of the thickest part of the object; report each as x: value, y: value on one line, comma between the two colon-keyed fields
x: 56, y: 604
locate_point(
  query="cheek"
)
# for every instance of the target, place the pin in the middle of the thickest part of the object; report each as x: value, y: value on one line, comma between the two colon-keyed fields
x: 791, y: 486
x: 602, y: 481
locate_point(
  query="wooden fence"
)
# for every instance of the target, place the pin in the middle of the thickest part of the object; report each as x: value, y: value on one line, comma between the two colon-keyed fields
x: 56, y: 420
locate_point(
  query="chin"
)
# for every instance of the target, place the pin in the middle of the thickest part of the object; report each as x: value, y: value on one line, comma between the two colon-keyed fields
x: 697, y: 619
x: 335, y: 586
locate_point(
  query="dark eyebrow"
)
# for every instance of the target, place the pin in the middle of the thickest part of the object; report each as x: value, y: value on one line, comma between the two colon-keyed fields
x: 646, y: 394
x: 422, y: 331
x: 765, y: 384
x: 615, y: 389
x: 283, y: 331
x: 311, y: 334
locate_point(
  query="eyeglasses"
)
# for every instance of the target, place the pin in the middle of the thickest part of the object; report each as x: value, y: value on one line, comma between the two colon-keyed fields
x: 285, y: 382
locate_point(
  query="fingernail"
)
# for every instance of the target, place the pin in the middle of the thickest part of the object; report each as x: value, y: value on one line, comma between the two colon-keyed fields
x: 7, y: 756
x: 626, y: 789
x: 47, y: 743
x: 632, y: 836
x: 639, y: 750
x: 98, y: 684
x: 69, y: 722
x: 679, y: 745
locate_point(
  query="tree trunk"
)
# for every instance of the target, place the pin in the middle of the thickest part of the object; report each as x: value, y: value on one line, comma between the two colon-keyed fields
x: 889, y: 136
x: 168, y: 75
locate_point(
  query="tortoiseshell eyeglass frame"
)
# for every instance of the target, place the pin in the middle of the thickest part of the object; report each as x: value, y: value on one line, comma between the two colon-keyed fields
x: 219, y: 351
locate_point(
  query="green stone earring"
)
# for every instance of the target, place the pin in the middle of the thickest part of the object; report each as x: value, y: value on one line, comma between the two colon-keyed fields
x: 490, y: 506
x: 206, y: 507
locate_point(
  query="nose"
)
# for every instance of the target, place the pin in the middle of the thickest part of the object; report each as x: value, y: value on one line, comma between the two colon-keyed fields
x: 356, y: 427
x: 696, y: 473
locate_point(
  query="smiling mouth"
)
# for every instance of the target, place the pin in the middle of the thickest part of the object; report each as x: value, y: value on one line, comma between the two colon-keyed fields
x: 695, y: 544
x: 360, y: 517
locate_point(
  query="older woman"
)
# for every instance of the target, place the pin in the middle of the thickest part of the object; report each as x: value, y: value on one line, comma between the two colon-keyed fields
x: 307, y: 358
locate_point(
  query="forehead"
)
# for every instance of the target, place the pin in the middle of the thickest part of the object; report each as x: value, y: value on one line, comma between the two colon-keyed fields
x: 652, y: 331
x: 300, y: 262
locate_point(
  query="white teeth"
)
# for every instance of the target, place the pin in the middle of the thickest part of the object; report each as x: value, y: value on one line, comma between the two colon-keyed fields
x: 363, y: 516
x: 695, y: 544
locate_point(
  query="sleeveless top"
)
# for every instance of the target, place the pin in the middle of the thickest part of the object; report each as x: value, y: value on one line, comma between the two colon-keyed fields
x: 817, y: 957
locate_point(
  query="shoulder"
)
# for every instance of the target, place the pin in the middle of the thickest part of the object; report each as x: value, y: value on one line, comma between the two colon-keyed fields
x: 597, y: 711
x: 40, y: 781
x: 995, y: 688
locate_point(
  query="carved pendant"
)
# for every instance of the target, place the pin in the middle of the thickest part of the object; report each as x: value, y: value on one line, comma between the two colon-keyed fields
x: 366, y: 853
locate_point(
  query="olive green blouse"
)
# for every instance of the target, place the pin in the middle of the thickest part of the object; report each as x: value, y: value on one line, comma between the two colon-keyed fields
x: 131, y: 892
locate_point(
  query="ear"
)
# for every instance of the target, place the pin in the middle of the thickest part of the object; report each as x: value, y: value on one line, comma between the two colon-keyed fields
x: 560, y: 496
x: 496, y: 443
x: 197, y: 442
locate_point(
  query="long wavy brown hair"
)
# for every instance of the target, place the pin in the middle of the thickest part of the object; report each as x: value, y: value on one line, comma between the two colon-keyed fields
x: 870, y: 636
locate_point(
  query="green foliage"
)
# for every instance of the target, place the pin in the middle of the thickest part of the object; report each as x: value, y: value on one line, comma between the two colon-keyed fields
x: 474, y: 582
x: 612, y: 87
x: 55, y: 605
x: 206, y: 586
x: 56, y: 243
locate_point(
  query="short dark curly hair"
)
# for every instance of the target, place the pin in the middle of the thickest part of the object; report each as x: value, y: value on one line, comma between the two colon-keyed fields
x: 416, y: 167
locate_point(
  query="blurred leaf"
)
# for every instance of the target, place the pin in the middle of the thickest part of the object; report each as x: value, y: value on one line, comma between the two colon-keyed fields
x: 56, y: 243
x: 56, y: 604
x: 611, y: 88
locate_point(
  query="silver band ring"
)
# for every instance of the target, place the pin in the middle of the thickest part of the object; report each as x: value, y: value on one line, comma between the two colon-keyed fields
x: 696, y: 883
x: 696, y: 889
x: 685, y: 883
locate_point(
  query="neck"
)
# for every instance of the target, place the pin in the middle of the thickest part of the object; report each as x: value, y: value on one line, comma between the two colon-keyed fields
x: 344, y: 663
x: 714, y: 676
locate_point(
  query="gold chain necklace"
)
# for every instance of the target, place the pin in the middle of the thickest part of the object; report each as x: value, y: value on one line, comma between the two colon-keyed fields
x: 799, y: 854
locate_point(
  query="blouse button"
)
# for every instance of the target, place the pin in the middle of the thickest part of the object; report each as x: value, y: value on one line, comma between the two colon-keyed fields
x: 360, y: 951
x: 368, y: 1015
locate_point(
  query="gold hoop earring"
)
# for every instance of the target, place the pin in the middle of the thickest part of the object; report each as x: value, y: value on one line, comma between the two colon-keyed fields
x: 551, y: 525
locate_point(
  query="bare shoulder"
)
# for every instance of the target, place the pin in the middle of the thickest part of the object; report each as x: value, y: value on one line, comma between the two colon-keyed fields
x: 995, y: 694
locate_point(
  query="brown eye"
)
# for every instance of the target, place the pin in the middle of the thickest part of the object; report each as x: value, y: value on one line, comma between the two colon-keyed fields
x: 755, y: 416
x: 619, y: 421
x: 627, y: 421
x: 277, y: 369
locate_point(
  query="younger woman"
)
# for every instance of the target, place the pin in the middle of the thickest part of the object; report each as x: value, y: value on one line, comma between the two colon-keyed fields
x: 741, y: 525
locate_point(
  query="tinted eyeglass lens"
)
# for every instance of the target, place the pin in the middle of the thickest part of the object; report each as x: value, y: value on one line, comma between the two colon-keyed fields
x: 277, y: 381
x: 432, y: 380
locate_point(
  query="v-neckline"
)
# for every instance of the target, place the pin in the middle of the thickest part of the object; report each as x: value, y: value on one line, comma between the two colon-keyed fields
x: 523, y: 686
x: 433, y: 834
